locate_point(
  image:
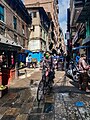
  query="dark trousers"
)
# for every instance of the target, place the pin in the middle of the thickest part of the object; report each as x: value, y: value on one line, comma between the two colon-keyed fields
x: 83, y: 80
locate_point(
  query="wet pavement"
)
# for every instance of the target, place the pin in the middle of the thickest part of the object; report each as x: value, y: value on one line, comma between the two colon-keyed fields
x: 65, y: 102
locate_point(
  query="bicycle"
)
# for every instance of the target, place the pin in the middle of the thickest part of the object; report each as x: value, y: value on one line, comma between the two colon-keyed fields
x: 45, y: 85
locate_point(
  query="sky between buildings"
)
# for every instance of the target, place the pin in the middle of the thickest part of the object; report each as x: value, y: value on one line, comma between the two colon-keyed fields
x: 63, y: 5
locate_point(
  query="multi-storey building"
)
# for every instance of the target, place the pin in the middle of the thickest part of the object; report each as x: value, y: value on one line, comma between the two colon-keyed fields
x: 80, y: 23
x: 61, y: 48
x: 52, y: 10
x: 75, y: 28
x: 14, y: 21
x: 38, y: 37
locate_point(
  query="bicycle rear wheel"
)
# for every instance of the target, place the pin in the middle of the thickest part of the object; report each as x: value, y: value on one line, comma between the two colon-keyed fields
x: 40, y: 91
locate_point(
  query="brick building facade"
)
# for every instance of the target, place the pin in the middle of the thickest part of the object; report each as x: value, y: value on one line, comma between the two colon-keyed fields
x: 14, y: 21
x: 52, y: 10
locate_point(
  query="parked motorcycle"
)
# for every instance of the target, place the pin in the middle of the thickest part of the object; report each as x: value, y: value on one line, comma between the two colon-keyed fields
x: 73, y: 71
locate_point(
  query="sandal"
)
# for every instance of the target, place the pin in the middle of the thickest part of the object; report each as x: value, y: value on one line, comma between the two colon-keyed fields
x: 80, y: 88
x: 87, y: 90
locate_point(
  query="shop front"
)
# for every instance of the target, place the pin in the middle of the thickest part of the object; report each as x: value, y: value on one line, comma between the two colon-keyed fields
x: 8, y: 62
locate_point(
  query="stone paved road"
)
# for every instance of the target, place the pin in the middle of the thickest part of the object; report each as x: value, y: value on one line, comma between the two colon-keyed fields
x: 65, y: 102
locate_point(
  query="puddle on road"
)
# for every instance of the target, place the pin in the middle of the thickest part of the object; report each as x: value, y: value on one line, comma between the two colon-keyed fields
x: 48, y: 108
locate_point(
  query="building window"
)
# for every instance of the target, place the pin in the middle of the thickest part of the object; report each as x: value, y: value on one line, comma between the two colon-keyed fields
x: 15, y: 22
x: 22, y: 26
x: 31, y: 14
x: 1, y: 13
x: 15, y: 38
x: 23, y: 31
x: 41, y: 32
x: 34, y: 14
x: 44, y: 35
x: 23, y: 42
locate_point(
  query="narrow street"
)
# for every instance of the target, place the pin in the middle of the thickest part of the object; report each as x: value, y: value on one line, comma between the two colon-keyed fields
x: 44, y: 34
x: 65, y: 102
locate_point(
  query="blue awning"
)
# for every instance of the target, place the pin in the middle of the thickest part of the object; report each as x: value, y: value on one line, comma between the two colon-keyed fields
x: 80, y: 47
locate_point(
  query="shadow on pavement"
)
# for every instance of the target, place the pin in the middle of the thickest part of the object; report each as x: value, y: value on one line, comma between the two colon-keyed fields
x: 64, y: 88
x: 17, y: 89
x: 67, y: 89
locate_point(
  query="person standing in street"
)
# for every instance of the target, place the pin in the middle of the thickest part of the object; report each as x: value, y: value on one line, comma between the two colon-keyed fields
x: 12, y: 61
x: 83, y: 67
x: 29, y: 61
x: 67, y: 60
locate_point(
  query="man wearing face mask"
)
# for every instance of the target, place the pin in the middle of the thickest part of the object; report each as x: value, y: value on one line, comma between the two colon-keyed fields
x: 48, y: 63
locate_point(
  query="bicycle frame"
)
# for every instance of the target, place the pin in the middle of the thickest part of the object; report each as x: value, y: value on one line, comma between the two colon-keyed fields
x: 44, y: 86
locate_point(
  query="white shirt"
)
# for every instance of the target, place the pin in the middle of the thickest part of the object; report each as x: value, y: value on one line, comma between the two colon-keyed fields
x: 26, y: 59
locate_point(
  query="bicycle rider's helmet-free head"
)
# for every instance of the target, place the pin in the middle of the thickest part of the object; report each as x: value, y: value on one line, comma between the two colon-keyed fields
x: 47, y: 55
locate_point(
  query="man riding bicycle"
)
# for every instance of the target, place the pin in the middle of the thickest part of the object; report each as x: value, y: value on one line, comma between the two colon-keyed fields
x: 46, y: 83
x: 48, y: 69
